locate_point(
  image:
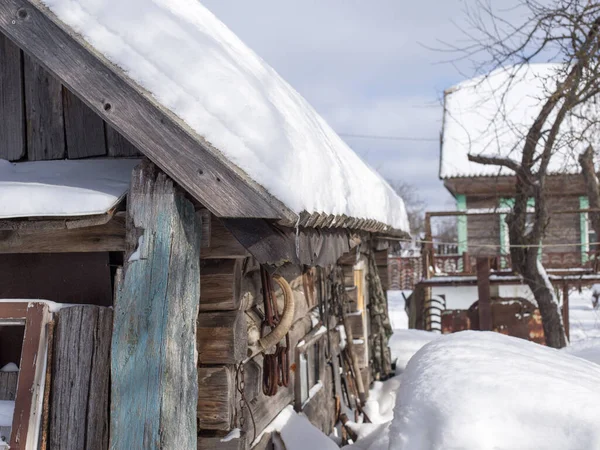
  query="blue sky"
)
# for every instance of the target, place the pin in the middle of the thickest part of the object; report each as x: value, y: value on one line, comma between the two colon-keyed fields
x: 365, y: 66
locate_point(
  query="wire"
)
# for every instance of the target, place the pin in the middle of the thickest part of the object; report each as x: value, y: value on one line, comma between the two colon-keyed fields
x: 388, y: 138
x: 505, y: 246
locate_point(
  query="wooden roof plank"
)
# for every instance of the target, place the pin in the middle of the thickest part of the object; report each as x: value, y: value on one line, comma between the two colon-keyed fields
x: 170, y: 143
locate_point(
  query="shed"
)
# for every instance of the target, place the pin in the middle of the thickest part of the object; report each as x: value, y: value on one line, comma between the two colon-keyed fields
x: 181, y: 235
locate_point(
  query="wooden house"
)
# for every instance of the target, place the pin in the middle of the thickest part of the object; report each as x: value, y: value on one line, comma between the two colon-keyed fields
x: 483, y: 116
x: 490, y: 116
x: 183, y: 240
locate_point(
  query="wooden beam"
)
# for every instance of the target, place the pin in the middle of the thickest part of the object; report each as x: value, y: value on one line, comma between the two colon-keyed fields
x: 222, y: 337
x: 12, y: 103
x: 188, y: 158
x: 154, y: 395
x: 216, y: 397
x: 101, y: 238
x: 221, y: 281
x: 80, y: 379
x: 483, y: 291
x: 216, y: 441
x: 221, y: 243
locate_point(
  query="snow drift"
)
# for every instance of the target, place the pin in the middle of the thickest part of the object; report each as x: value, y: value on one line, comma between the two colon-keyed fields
x: 478, y: 391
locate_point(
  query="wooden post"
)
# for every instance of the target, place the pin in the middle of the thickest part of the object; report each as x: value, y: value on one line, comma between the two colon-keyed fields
x: 154, y: 373
x: 565, y: 310
x: 483, y: 290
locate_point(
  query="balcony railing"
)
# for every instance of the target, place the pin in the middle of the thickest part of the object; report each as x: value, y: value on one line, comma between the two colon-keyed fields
x: 465, y: 264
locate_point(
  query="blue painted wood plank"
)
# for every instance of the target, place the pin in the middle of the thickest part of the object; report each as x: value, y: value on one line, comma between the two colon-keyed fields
x: 154, y: 374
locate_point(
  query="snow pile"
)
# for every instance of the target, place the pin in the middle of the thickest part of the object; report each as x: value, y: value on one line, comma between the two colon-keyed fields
x: 476, y: 391
x: 297, y: 433
x: 396, y: 303
x: 197, y: 68
x: 7, y: 409
x: 62, y: 188
x: 380, y: 410
x: 10, y: 367
x: 491, y: 115
x: 405, y: 343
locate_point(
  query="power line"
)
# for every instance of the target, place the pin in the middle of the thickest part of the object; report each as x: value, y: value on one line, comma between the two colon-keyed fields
x: 574, y: 244
x: 388, y: 138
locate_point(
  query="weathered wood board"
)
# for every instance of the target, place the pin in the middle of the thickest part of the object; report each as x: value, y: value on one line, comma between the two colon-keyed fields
x: 118, y: 146
x: 84, y: 129
x: 197, y: 166
x: 80, y: 379
x: 8, y: 385
x: 109, y: 237
x: 154, y: 374
x: 44, y: 113
x: 12, y: 124
x: 216, y: 397
x: 222, y: 337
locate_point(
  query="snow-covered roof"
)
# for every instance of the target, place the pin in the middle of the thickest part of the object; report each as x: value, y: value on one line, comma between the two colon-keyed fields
x: 490, y: 115
x: 63, y: 188
x: 195, y: 67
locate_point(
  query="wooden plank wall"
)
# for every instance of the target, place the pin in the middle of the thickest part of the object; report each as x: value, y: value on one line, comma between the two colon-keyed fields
x: 43, y: 120
x: 80, y: 379
x: 227, y: 324
x: 485, y: 229
x: 154, y: 383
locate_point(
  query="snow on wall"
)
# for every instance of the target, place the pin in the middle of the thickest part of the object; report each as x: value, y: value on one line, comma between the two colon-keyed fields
x: 491, y: 115
x: 62, y: 188
x: 197, y: 68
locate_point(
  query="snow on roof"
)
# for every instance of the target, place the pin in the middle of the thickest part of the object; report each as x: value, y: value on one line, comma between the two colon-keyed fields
x: 194, y: 66
x: 477, y: 390
x: 62, y: 188
x: 490, y: 115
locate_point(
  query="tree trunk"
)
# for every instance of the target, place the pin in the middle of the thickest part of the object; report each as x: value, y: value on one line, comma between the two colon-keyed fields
x: 525, y: 262
x: 554, y: 330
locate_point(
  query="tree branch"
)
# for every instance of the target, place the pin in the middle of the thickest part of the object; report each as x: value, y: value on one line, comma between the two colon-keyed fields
x: 496, y: 161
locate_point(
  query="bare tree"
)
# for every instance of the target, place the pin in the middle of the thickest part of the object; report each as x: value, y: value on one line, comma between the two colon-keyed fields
x: 415, y: 206
x: 563, y: 31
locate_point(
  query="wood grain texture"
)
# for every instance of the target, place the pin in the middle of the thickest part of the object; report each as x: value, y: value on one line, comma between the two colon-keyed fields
x: 222, y: 243
x: 12, y: 103
x: 109, y: 237
x: 221, y: 284
x: 195, y: 164
x: 8, y: 385
x: 222, y: 337
x: 118, y: 146
x: 216, y: 397
x: 212, y: 441
x: 84, y: 129
x: 154, y: 376
x: 43, y: 113
x: 80, y: 379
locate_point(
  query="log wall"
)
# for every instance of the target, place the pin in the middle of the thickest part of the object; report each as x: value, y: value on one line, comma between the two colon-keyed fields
x: 229, y: 322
